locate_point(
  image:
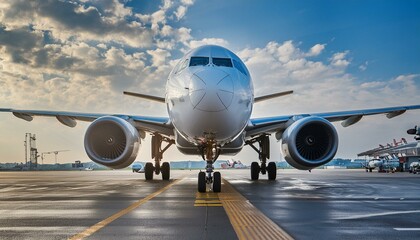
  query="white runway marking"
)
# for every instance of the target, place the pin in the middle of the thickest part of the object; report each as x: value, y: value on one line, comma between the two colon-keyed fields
x: 376, y: 215
x: 407, y: 229
x: 41, y: 229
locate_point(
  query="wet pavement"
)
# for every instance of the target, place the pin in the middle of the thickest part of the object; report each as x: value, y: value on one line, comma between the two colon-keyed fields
x: 338, y: 204
x: 324, y: 204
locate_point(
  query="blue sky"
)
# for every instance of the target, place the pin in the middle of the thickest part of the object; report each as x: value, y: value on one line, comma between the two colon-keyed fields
x: 386, y: 34
x: 81, y: 55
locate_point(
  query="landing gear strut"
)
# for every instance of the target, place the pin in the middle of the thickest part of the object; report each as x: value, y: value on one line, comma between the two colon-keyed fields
x: 210, y: 153
x: 157, y: 154
x: 263, y: 154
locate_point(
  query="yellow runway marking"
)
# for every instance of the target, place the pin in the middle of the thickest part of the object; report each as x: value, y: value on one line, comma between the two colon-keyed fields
x: 91, y: 230
x: 247, y: 221
x: 207, y: 199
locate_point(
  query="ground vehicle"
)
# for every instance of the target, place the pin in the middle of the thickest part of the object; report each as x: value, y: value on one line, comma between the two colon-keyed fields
x: 414, y: 167
x: 137, y: 167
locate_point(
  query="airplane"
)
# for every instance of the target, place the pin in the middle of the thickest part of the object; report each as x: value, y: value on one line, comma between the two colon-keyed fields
x: 374, y: 163
x: 232, y: 164
x: 383, y: 164
x: 209, y: 99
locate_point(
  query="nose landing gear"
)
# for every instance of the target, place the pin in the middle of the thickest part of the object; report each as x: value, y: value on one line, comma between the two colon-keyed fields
x: 210, y: 153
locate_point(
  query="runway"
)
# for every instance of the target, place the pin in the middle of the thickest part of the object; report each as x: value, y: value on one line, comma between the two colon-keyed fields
x: 324, y: 204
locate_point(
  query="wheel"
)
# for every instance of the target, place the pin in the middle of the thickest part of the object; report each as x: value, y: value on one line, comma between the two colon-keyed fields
x: 202, y: 182
x: 148, y: 171
x: 370, y: 169
x: 217, y: 182
x: 165, y: 170
x: 255, y: 171
x: 272, y: 171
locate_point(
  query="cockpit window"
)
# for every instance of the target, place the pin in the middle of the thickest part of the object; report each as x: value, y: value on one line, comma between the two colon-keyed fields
x: 222, y: 62
x: 199, y: 61
x: 240, y: 67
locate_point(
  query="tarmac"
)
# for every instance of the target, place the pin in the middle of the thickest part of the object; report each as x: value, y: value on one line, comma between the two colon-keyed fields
x: 323, y: 204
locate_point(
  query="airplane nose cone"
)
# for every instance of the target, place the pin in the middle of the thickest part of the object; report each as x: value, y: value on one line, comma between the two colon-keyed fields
x: 211, y: 90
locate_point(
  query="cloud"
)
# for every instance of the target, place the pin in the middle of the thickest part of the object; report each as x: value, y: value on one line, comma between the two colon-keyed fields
x: 364, y: 66
x: 182, y: 10
x: 68, y: 20
x: 188, y: 2
x: 159, y: 57
x: 84, y: 42
x: 339, y: 59
x: 112, y: 8
x: 205, y: 41
x: 284, y: 66
x: 316, y: 50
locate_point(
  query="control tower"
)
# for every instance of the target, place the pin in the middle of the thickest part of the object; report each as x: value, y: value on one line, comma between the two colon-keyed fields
x: 30, y: 147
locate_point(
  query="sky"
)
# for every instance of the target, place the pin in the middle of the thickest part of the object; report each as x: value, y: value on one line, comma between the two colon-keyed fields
x: 80, y: 55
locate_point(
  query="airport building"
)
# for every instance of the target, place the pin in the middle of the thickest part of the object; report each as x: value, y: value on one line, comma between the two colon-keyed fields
x: 406, y: 153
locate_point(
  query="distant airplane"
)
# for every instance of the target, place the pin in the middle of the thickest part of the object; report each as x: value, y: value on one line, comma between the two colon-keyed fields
x: 209, y: 97
x: 382, y: 164
x: 372, y: 164
x: 232, y: 164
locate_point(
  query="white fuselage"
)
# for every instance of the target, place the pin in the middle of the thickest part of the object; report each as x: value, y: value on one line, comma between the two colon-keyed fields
x: 375, y: 163
x: 209, y: 96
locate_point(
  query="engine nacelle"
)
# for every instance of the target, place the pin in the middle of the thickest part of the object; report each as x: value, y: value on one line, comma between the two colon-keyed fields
x: 309, y: 142
x: 112, y: 142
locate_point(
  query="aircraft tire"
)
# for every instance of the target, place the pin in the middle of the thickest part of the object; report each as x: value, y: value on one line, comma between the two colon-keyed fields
x: 148, y: 171
x: 217, y: 182
x: 255, y: 171
x: 272, y: 171
x: 166, y: 171
x: 202, y: 182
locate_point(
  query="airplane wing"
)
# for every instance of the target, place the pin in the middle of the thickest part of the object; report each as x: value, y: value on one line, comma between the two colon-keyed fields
x: 270, y: 96
x: 258, y: 126
x: 161, y: 125
x: 145, y: 96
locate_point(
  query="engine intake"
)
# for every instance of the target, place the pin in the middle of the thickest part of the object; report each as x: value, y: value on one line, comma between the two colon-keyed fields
x: 309, y: 142
x: 112, y: 141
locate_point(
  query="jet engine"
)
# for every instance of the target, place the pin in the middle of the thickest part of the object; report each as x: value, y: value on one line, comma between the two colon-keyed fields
x: 309, y: 142
x: 112, y: 142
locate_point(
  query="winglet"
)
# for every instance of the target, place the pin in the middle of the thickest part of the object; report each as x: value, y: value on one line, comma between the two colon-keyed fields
x: 149, y: 97
x: 266, y: 97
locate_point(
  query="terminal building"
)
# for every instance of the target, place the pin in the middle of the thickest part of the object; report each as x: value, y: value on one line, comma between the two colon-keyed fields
x: 405, y: 152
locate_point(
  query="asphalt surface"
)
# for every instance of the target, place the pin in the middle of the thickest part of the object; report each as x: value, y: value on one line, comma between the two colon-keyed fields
x: 324, y: 204
x: 338, y: 204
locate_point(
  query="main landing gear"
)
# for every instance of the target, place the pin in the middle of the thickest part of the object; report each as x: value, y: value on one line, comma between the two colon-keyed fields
x: 210, y: 153
x: 157, y: 154
x: 263, y: 154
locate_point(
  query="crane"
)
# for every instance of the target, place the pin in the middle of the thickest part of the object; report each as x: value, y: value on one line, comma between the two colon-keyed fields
x: 52, y: 152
